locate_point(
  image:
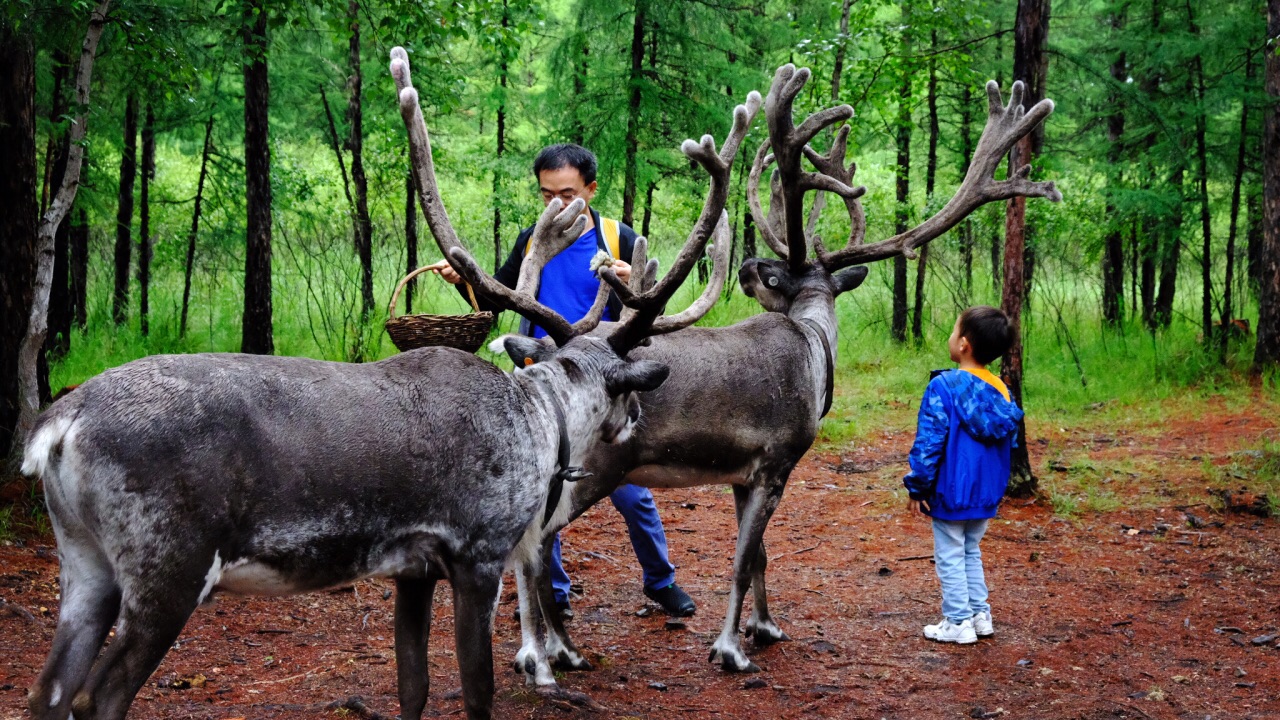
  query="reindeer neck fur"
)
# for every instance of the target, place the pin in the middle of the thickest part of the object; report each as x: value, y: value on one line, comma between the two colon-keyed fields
x: 576, y: 385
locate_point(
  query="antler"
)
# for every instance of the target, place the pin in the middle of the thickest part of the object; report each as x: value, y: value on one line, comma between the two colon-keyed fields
x: 720, y: 252
x: 1006, y: 124
x: 789, y: 183
x: 557, y: 228
x: 647, y: 299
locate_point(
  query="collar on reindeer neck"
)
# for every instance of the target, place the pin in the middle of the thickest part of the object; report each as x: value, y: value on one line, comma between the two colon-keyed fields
x: 565, y: 472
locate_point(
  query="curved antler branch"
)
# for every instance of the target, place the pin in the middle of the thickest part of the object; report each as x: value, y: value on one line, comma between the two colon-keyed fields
x: 556, y: 229
x: 720, y: 253
x: 649, y: 303
x: 1006, y: 124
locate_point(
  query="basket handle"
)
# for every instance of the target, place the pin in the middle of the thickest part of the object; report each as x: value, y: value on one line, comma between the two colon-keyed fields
x: 395, y: 296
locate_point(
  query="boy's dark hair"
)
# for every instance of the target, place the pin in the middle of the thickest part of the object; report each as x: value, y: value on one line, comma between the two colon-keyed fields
x: 988, y: 331
x: 554, y: 157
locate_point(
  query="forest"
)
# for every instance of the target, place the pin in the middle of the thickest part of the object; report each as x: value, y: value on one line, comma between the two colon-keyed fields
x: 234, y: 176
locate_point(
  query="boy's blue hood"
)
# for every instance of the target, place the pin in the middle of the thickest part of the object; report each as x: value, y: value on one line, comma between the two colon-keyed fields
x: 982, y: 409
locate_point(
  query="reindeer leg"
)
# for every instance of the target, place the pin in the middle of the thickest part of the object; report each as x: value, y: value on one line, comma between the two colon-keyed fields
x: 753, y: 516
x: 90, y: 604
x: 760, y: 626
x: 531, y: 660
x: 413, y: 630
x: 560, y: 649
x: 475, y: 599
x: 154, y: 611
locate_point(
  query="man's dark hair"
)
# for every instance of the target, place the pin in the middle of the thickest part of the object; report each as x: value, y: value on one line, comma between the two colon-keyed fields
x: 554, y: 157
x: 988, y: 331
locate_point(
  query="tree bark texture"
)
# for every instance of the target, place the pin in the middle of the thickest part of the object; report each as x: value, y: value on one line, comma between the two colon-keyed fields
x: 32, y: 368
x: 1113, y: 251
x: 631, y: 168
x: 256, y: 336
x: 1030, y: 65
x: 930, y: 174
x: 1202, y: 157
x: 144, y: 220
x: 124, y: 211
x: 1233, y: 226
x: 837, y: 68
x: 80, y: 269
x: 903, y: 195
x: 18, y: 222
x: 195, y: 225
x: 58, y: 341
x: 1266, y: 354
x: 355, y: 117
x: 501, y: 145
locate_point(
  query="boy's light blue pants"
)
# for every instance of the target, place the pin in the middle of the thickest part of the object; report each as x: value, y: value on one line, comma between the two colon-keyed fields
x: 958, y: 561
x: 647, y: 538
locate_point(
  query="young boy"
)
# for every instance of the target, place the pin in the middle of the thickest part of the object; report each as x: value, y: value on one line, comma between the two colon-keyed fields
x: 960, y: 467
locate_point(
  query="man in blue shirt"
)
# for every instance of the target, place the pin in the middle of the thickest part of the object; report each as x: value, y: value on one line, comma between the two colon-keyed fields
x: 569, y: 287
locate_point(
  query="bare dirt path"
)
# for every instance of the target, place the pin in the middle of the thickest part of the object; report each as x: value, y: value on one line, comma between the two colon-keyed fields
x: 1129, y: 613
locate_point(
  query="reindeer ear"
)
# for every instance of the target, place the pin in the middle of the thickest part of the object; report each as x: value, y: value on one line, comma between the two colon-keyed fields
x: 846, y: 280
x: 525, y: 351
x: 637, y: 376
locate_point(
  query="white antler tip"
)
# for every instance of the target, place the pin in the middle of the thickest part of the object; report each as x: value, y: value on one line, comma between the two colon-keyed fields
x: 408, y: 97
x: 399, y: 53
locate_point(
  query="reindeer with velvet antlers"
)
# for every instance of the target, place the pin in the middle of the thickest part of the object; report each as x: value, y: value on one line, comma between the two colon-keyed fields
x: 743, y: 403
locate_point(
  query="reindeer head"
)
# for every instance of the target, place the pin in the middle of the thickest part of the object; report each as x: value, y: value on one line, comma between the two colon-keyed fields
x: 806, y: 266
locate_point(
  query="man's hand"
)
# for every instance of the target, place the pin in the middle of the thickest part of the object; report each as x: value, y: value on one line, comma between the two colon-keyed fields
x: 622, y: 270
x: 918, y: 506
x: 446, y: 271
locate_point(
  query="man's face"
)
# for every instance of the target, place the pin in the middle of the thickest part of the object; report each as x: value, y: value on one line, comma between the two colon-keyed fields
x: 565, y: 183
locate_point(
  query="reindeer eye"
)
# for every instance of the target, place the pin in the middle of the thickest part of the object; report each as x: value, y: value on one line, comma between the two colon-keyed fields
x: 773, y: 282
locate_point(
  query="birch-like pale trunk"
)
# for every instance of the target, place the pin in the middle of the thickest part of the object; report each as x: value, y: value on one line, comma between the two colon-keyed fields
x: 37, y: 323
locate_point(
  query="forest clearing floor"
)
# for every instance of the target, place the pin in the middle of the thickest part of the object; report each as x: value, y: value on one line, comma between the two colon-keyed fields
x: 1141, y: 585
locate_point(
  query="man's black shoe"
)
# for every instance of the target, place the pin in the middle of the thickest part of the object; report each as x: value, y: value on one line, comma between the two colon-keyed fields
x: 674, y: 601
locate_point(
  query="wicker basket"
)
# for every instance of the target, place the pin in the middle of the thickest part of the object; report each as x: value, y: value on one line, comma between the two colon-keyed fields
x: 465, y: 332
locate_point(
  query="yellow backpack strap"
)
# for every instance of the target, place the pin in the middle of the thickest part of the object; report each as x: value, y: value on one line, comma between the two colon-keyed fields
x: 610, y: 228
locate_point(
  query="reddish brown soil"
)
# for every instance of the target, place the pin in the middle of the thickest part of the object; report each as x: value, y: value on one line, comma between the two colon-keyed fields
x: 1126, y: 614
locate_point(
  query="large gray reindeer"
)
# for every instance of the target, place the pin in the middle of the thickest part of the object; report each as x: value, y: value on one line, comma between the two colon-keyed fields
x: 171, y: 478
x: 743, y: 403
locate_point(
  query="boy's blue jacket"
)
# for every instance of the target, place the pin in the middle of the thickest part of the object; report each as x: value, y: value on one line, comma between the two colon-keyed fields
x: 960, y: 459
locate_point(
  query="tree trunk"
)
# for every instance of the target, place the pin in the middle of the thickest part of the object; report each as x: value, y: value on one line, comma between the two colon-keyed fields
x: 501, y: 145
x: 1113, y: 253
x: 1202, y: 155
x: 1030, y: 65
x: 837, y: 68
x: 255, y: 330
x: 80, y: 269
x: 648, y: 208
x: 32, y: 369
x: 124, y: 211
x: 630, y: 171
x: 1253, y: 238
x: 195, y: 225
x: 966, y: 152
x: 58, y: 342
x: 1241, y: 153
x: 18, y: 222
x: 748, y: 235
x: 355, y: 115
x: 930, y: 174
x: 577, y: 133
x: 903, y: 196
x: 1170, y: 251
x: 1266, y: 354
x: 410, y: 238
x: 144, y: 220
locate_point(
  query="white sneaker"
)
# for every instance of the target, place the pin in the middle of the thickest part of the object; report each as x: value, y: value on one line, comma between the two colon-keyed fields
x: 947, y: 631
x: 982, y: 625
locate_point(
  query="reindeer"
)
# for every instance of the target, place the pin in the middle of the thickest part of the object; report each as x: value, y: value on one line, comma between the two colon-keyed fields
x: 743, y: 403
x: 172, y: 478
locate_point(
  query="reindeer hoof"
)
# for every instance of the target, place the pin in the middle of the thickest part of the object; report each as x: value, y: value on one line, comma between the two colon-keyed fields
x: 731, y: 662
x: 765, y: 633
x: 571, y: 661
